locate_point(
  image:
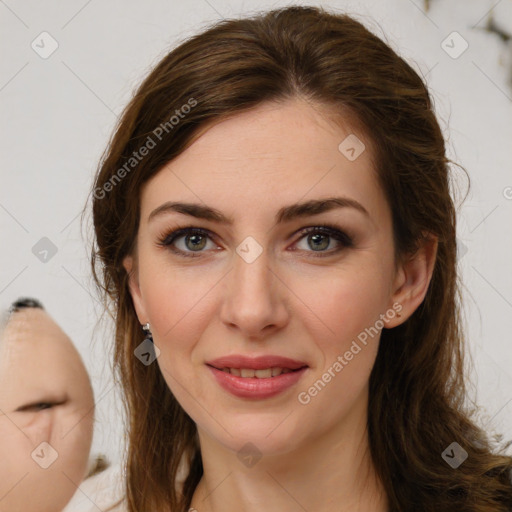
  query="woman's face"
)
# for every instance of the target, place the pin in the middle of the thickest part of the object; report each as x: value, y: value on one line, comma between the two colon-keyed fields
x: 259, y: 286
x: 46, y: 415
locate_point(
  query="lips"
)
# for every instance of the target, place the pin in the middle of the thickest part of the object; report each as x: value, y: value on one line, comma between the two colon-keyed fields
x: 256, y: 377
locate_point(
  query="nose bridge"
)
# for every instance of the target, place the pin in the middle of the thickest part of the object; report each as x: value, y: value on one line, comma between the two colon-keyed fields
x: 40, y: 429
x: 251, y: 270
x: 253, y: 300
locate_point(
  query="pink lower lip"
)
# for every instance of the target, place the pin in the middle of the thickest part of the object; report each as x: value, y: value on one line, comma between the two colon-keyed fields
x: 256, y: 388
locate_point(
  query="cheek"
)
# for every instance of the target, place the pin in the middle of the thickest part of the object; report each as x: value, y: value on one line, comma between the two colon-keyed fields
x: 345, y: 331
x: 15, y: 448
x: 341, y: 304
x: 176, y: 300
x: 179, y: 306
x: 72, y: 438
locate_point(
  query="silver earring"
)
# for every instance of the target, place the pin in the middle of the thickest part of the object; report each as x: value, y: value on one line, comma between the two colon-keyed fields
x: 146, y: 328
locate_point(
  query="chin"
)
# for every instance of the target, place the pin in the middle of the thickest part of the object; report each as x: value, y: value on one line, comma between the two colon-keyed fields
x: 261, y: 433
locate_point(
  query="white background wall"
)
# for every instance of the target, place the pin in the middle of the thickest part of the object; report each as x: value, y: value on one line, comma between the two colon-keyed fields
x: 58, y: 113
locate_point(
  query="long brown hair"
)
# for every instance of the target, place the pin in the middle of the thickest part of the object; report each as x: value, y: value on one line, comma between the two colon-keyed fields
x: 417, y: 386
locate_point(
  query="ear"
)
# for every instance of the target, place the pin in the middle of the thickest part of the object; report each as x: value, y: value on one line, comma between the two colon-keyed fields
x: 412, y: 280
x: 130, y: 266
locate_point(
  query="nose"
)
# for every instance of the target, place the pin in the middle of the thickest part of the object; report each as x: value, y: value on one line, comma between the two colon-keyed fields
x: 41, y: 427
x: 255, y: 300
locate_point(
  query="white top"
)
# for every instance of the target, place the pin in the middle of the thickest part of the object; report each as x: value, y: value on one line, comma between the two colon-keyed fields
x: 106, y: 488
x: 99, y: 492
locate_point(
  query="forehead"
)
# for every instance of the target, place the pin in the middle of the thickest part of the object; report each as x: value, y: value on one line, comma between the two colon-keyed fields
x: 38, y: 360
x: 290, y: 151
x: 32, y: 337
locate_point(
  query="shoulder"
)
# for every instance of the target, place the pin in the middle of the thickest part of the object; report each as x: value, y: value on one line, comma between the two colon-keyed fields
x: 100, y: 492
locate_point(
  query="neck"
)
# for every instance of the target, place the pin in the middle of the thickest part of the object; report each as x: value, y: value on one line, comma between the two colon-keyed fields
x: 332, y: 473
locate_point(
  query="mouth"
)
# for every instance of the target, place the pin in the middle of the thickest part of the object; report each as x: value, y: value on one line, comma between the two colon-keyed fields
x: 258, y: 377
x: 251, y: 373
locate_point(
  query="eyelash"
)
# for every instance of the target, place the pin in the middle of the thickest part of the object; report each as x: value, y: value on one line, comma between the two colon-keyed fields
x: 166, y: 240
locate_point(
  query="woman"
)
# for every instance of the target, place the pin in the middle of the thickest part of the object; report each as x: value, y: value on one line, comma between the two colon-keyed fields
x: 273, y: 216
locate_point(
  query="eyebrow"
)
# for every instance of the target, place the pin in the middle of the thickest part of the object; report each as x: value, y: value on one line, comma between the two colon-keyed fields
x: 285, y: 214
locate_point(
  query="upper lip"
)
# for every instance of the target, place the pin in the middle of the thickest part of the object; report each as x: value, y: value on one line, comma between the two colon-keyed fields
x: 256, y: 363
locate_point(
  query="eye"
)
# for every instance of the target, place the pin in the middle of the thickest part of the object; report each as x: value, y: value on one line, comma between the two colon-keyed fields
x: 38, y: 406
x: 43, y: 405
x: 317, y: 237
x: 196, y: 239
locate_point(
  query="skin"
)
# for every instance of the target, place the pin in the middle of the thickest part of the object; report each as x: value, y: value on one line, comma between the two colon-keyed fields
x: 45, y: 396
x: 287, y: 302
